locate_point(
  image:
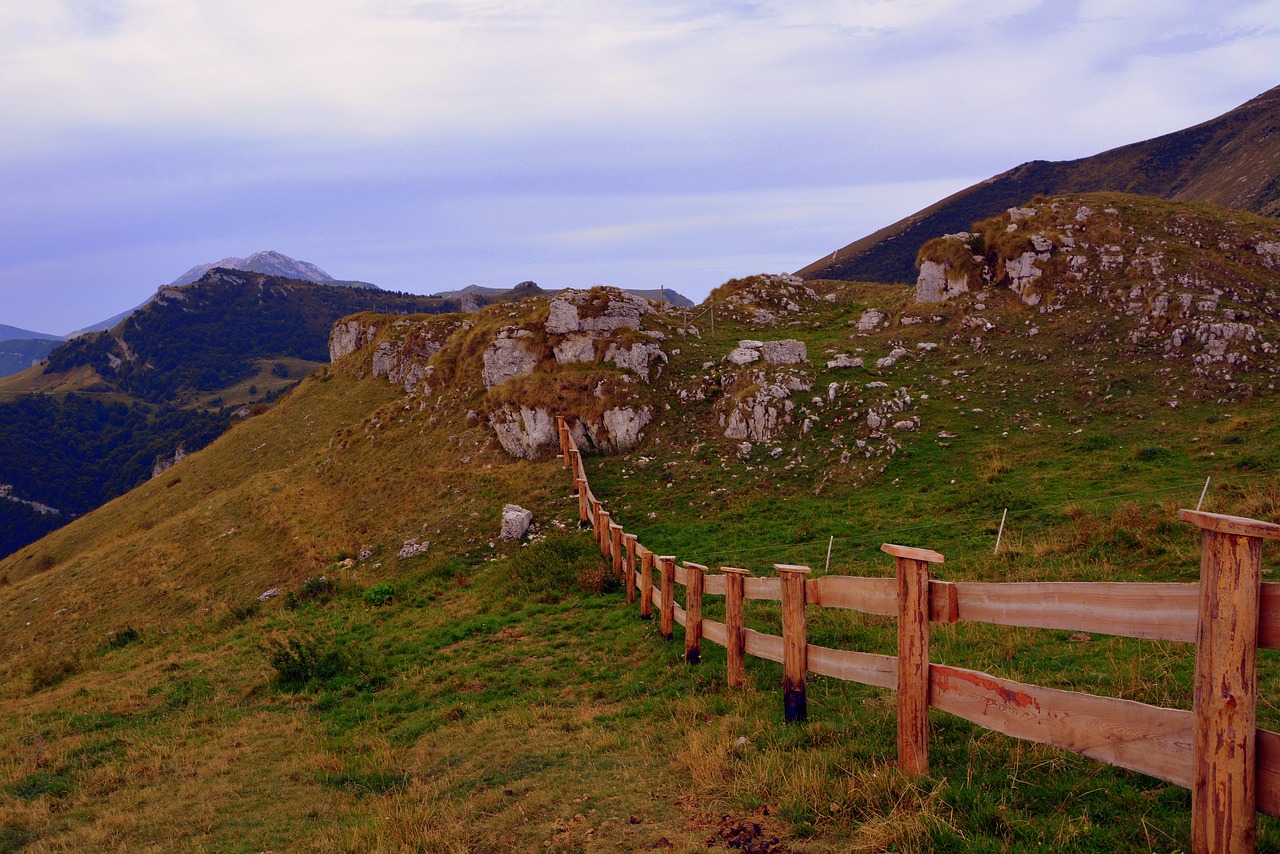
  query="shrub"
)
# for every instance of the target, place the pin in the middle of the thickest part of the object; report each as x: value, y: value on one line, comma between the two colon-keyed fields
x: 1151, y: 452
x: 298, y: 663
x: 549, y: 569
x: 124, y: 637
x: 313, y: 589
x: 51, y: 671
x: 248, y: 611
x: 1098, y: 442
x: 379, y: 594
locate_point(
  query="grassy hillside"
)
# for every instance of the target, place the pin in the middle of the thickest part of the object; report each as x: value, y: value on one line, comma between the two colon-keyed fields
x: 489, y: 696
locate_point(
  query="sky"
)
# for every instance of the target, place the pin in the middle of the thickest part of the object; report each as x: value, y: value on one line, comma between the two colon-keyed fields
x: 425, y: 145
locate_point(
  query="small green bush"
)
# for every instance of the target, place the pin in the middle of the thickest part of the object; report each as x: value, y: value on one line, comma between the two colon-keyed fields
x: 1152, y: 452
x: 51, y: 671
x: 314, y: 589
x: 56, y: 784
x: 379, y: 594
x: 1098, y: 442
x: 242, y: 613
x: 124, y: 637
x: 298, y: 663
x: 558, y: 565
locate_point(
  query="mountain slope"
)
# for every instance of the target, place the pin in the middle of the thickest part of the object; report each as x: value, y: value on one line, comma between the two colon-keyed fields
x: 13, y: 333
x: 1232, y: 161
x: 18, y: 355
x: 461, y: 692
x: 269, y: 263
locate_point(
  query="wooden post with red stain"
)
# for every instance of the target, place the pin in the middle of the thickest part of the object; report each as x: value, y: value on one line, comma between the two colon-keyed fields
x: 602, y: 532
x: 581, y: 486
x: 694, y: 585
x: 1224, y: 738
x: 615, y: 547
x: 629, y: 567
x: 913, y: 655
x: 667, y: 614
x: 563, y: 431
x: 795, y: 644
x: 646, y: 584
x: 735, y: 625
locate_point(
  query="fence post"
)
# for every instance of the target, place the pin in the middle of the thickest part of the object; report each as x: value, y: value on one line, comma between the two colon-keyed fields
x: 563, y: 431
x: 603, y: 520
x: 615, y: 547
x: 646, y: 584
x: 913, y: 655
x: 581, y: 486
x: 695, y: 584
x: 735, y: 625
x: 795, y: 644
x: 629, y: 567
x: 667, y: 611
x: 1224, y: 739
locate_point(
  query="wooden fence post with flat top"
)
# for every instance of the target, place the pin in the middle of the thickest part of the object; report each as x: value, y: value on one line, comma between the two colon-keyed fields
x: 646, y: 584
x: 581, y: 486
x: 735, y: 625
x: 615, y: 547
x: 795, y: 644
x: 602, y: 532
x: 695, y: 584
x: 913, y: 655
x: 1224, y: 738
x: 667, y: 615
x: 629, y: 567
x: 563, y: 432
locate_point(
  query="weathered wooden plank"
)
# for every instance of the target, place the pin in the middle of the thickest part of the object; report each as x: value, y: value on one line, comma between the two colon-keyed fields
x: 868, y: 595
x: 1237, y: 525
x: 850, y: 666
x: 678, y: 614
x: 1268, y: 772
x: 682, y: 576
x: 1269, y: 617
x: 1148, y: 739
x: 715, y: 631
x: 762, y: 645
x: 715, y: 585
x: 909, y: 553
x: 762, y: 588
x: 1158, y: 611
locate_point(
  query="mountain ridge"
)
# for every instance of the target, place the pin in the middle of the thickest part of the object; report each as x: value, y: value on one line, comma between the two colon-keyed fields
x: 1231, y: 161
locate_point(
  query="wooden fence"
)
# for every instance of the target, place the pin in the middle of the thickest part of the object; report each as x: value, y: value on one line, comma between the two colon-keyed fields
x: 1215, y: 749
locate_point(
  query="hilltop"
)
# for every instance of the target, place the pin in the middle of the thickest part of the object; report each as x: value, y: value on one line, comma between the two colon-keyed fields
x: 1232, y: 161
x: 415, y: 681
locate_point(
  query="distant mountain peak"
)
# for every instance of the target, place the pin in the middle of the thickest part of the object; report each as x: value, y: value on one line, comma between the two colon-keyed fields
x: 269, y: 262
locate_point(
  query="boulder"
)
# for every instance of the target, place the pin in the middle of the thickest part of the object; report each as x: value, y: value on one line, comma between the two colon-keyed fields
x: 525, y: 433
x: 515, y: 522
x: 346, y: 338
x: 871, y: 319
x: 785, y: 352
x: 937, y: 283
x: 507, y: 357
x: 596, y: 310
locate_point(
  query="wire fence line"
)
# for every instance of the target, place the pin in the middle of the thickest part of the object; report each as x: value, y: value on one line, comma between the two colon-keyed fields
x: 873, y: 538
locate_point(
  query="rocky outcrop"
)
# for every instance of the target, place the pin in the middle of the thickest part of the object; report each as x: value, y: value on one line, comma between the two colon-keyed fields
x: 348, y: 337
x: 938, y: 282
x: 508, y: 356
x: 163, y: 463
x: 596, y: 310
x: 531, y: 433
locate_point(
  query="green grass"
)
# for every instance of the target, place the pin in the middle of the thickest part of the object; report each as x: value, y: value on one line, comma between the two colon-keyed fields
x: 504, y: 696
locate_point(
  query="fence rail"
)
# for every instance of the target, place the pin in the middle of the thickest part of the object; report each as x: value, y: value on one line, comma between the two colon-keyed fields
x: 1215, y: 749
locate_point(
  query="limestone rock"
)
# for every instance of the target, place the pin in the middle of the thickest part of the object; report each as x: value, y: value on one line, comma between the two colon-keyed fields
x: 871, y: 319
x: 637, y: 356
x: 842, y: 360
x: 743, y: 356
x: 596, y: 310
x: 507, y: 357
x: 346, y: 338
x: 412, y: 548
x: 525, y: 433
x: 937, y: 283
x: 515, y: 522
x: 785, y: 352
